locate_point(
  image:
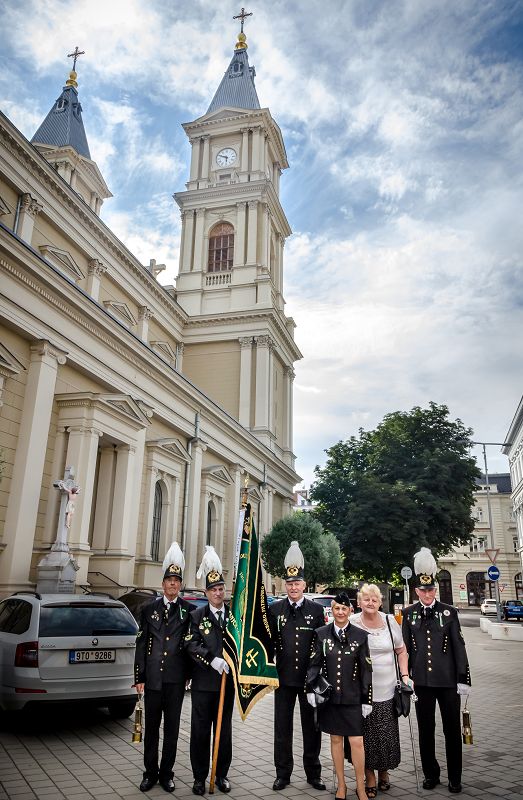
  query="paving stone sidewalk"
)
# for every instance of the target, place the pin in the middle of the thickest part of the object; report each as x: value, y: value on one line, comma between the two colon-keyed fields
x: 79, y: 755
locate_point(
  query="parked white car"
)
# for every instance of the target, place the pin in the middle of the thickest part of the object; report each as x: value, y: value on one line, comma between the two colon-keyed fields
x: 64, y: 648
x: 325, y: 601
x: 488, y: 607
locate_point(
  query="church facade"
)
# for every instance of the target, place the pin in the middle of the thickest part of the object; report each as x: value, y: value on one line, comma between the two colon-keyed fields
x: 166, y: 401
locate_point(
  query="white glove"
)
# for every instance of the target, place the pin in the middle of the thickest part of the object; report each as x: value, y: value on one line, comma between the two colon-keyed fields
x: 220, y: 665
x: 311, y: 699
x: 464, y: 689
x: 366, y: 710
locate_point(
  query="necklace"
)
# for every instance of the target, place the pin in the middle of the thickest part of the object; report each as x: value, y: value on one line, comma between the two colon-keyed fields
x: 374, y: 631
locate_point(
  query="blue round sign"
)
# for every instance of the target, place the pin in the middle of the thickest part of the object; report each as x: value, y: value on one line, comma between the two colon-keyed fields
x: 493, y: 573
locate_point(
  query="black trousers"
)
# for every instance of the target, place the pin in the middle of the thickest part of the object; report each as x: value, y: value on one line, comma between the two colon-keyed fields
x: 168, y: 701
x: 204, y: 714
x: 284, y: 702
x: 449, y: 703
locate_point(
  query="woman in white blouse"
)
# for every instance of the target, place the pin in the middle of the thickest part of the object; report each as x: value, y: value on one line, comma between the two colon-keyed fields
x: 380, y: 729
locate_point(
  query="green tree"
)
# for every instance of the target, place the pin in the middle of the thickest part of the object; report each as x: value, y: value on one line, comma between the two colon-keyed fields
x: 407, y: 484
x: 321, y: 551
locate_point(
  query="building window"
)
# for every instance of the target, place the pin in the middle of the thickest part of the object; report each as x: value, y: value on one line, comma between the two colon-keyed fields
x: 211, y: 523
x: 221, y: 248
x: 477, y: 544
x: 515, y: 543
x: 157, y: 522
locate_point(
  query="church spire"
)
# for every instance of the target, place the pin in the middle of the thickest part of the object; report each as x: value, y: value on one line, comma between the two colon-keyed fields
x: 237, y: 89
x: 63, y: 126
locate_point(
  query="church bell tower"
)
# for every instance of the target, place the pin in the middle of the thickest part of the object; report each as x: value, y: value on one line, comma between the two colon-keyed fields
x: 239, y: 345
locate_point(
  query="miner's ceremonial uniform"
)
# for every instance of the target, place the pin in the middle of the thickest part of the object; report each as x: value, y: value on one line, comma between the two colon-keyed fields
x: 292, y: 632
x: 439, y: 668
x: 161, y: 664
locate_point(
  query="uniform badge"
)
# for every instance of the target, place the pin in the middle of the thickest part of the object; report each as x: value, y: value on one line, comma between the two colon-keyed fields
x: 155, y: 616
x: 446, y: 613
x: 205, y: 626
x: 188, y: 637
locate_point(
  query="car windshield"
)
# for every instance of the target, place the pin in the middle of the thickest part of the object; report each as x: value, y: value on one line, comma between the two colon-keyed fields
x: 80, y: 619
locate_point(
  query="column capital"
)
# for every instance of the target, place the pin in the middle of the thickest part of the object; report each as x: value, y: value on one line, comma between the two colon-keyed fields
x: 265, y: 341
x: 289, y: 372
x: 200, y: 212
x: 83, y: 429
x: 241, y: 205
x: 96, y: 267
x: 145, y: 313
x: 180, y: 347
x: 253, y: 203
x: 42, y: 348
x: 31, y: 205
x: 245, y: 341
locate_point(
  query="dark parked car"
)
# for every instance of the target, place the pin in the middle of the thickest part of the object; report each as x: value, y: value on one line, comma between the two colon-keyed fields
x: 512, y: 609
x: 137, y: 599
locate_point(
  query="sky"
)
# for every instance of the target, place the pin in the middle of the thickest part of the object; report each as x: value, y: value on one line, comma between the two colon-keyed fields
x: 403, y: 123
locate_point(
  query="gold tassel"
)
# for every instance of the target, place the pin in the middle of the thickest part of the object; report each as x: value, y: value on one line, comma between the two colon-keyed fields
x: 138, y: 722
x: 466, y: 730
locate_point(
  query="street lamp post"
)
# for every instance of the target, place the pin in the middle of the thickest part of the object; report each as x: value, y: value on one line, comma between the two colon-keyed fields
x: 489, y: 511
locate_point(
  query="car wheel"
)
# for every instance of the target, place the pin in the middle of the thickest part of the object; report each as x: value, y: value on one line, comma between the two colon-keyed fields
x: 121, y: 709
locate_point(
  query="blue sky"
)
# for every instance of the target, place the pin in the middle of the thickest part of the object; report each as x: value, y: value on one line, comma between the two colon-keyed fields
x: 403, y: 121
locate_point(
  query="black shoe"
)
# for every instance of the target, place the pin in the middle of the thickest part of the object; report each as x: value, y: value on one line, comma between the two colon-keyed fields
x: 455, y: 788
x: 223, y: 785
x: 430, y: 783
x: 316, y: 783
x: 147, y: 784
x: 198, y: 787
x: 279, y: 784
x: 167, y: 785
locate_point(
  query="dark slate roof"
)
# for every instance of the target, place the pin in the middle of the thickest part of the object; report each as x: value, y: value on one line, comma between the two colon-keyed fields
x: 237, y: 88
x: 63, y: 125
x: 502, y: 481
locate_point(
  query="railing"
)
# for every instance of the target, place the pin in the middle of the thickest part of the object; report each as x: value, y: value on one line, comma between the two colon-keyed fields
x: 218, y: 279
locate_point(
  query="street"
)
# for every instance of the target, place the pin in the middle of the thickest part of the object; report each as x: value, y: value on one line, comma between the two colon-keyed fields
x: 77, y: 754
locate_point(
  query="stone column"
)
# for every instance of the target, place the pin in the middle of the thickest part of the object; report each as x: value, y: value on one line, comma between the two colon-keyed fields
x: 265, y: 235
x: 193, y: 512
x: 244, y: 160
x: 26, y: 482
x: 136, y: 481
x: 95, y: 271
x: 205, y: 160
x: 29, y: 209
x: 237, y: 473
x: 123, y: 505
x: 144, y: 315
x: 263, y: 376
x: 195, y: 159
x: 150, y: 487
x: 239, y: 238
x: 287, y: 420
x: 179, y: 356
x: 256, y: 165
x: 104, y: 499
x: 186, y: 257
x: 200, y: 260
x: 252, y: 234
x: 244, y: 410
x: 82, y: 451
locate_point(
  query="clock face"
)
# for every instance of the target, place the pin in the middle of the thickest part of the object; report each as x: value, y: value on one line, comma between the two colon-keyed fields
x: 226, y: 157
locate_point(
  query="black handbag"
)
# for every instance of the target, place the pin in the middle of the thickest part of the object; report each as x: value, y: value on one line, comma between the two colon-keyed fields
x: 402, y: 692
x: 322, y: 689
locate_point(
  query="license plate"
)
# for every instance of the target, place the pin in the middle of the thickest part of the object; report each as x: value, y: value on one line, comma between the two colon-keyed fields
x: 84, y: 656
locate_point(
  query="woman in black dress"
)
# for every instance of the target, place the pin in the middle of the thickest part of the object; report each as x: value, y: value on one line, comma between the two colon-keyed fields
x: 341, y: 654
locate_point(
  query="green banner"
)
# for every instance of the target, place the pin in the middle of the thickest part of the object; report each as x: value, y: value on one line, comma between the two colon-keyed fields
x: 247, y: 644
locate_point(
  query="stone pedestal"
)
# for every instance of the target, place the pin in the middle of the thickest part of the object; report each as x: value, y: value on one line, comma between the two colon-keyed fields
x: 56, y: 573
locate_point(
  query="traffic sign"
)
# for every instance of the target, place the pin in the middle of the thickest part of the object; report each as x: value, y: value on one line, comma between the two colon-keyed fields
x: 493, y: 573
x: 492, y: 554
x: 406, y: 573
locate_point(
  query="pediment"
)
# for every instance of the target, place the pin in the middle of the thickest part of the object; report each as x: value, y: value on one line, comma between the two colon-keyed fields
x: 4, y: 207
x: 218, y: 472
x: 174, y: 447
x: 62, y: 260
x: 225, y: 113
x: 165, y: 350
x: 125, y: 405
x: 121, y: 311
x: 9, y: 364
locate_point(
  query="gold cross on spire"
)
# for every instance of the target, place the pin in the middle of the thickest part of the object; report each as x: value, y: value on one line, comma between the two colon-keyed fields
x: 243, y: 16
x: 77, y: 53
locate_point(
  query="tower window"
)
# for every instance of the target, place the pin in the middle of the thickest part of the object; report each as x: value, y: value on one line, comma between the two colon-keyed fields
x: 221, y: 248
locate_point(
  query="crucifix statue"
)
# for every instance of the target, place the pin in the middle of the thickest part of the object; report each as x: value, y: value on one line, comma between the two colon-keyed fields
x: 69, y: 491
x: 243, y: 16
x: 74, y: 55
x: 56, y: 572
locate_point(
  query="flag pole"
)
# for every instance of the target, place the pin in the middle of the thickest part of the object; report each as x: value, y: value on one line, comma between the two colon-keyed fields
x: 218, y: 729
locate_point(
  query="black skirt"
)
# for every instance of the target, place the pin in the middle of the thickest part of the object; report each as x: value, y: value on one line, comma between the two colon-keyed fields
x: 340, y: 720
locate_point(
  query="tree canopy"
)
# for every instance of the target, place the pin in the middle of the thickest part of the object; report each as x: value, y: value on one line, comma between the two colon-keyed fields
x: 321, y: 551
x: 407, y: 484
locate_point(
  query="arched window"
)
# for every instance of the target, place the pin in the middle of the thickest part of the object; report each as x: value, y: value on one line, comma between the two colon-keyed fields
x: 211, y: 523
x: 221, y: 247
x: 445, y: 586
x: 157, y: 522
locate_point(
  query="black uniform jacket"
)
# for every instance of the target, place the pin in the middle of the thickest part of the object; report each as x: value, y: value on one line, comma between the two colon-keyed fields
x: 347, y: 667
x: 203, y: 642
x: 160, y: 657
x: 437, y: 655
x: 292, y: 638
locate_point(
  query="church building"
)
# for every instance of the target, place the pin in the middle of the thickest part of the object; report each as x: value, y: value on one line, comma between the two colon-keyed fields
x: 164, y: 401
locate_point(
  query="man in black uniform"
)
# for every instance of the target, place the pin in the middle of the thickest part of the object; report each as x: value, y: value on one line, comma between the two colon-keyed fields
x: 440, y: 671
x: 161, y: 670
x: 204, y: 645
x: 293, y: 622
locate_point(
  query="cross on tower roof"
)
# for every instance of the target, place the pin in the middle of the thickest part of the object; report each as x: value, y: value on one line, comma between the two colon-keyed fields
x: 243, y: 16
x: 78, y: 52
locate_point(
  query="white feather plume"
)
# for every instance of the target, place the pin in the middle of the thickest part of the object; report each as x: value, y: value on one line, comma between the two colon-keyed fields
x: 294, y: 556
x: 210, y: 561
x: 425, y: 563
x: 174, y: 556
